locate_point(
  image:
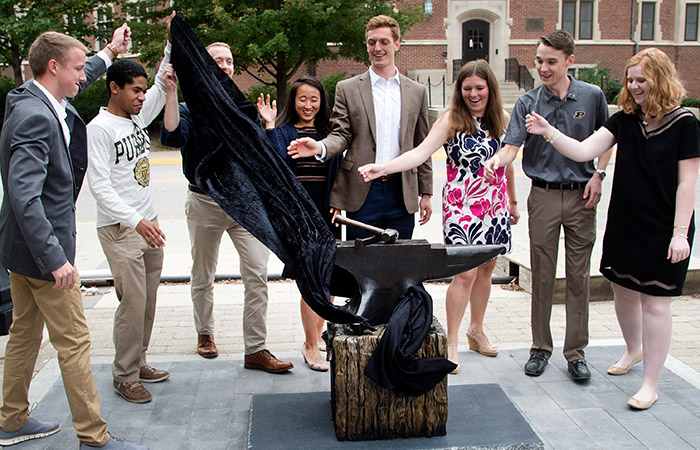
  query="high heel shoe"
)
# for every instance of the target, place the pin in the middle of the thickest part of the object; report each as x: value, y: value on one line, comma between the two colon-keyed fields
x: 617, y: 370
x: 484, y: 350
x: 638, y: 404
x: 318, y: 367
x: 453, y: 356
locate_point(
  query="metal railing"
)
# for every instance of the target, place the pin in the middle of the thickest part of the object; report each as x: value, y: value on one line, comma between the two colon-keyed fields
x: 437, y: 91
x: 519, y: 73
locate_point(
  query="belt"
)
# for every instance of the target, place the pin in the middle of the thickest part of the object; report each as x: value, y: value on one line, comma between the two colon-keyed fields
x: 558, y: 186
x: 195, y: 189
x: 389, y: 177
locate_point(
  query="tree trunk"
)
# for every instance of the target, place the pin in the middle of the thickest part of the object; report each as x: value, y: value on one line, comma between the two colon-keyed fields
x: 16, y: 64
x: 364, y: 411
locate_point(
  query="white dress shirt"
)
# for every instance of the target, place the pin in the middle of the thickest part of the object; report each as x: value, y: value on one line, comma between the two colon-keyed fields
x: 386, y: 95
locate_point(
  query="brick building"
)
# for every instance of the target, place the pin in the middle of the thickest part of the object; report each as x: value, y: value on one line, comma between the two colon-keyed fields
x: 608, y: 31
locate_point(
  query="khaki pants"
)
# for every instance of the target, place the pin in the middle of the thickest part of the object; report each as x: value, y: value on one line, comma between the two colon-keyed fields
x: 136, y: 268
x: 207, y: 222
x: 548, y: 211
x: 35, y: 303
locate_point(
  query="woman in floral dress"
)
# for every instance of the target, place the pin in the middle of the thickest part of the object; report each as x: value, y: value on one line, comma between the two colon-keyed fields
x: 475, y: 211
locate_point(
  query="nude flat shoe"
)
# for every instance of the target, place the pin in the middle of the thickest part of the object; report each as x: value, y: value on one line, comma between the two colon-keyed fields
x: 638, y: 404
x: 617, y: 370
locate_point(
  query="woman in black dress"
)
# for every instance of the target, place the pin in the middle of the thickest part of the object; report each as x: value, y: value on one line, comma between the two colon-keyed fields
x: 306, y: 113
x: 650, y: 226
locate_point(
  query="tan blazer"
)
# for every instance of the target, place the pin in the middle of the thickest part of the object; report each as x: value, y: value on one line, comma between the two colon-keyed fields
x: 353, y: 128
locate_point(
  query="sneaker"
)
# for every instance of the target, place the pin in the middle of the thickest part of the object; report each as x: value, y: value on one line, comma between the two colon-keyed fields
x: 115, y: 443
x: 132, y: 391
x: 32, y: 430
x: 148, y: 374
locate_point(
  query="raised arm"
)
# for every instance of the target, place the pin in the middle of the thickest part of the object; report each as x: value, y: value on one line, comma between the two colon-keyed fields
x: 437, y: 136
x: 595, y: 145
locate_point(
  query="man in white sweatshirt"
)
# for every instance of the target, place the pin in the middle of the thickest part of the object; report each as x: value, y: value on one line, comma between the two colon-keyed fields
x: 127, y: 226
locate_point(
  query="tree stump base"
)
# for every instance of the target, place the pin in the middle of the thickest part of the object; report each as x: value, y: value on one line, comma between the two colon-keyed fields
x: 364, y: 411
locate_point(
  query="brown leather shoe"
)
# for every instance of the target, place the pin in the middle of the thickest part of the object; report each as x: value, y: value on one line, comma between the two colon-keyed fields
x: 206, y: 346
x: 132, y: 391
x: 264, y: 360
x: 148, y: 374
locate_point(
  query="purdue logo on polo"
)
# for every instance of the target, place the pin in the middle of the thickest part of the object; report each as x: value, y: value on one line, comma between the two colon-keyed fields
x: 579, y: 114
x: 142, y: 171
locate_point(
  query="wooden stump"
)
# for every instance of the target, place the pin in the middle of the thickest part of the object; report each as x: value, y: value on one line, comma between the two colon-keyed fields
x: 364, y: 411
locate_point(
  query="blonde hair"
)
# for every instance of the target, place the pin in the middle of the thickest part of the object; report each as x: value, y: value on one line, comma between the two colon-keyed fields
x: 666, y: 91
x: 381, y: 21
x: 51, y: 45
x: 218, y: 44
x: 461, y: 118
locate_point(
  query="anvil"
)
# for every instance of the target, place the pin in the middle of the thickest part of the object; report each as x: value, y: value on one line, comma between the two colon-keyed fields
x: 375, y: 276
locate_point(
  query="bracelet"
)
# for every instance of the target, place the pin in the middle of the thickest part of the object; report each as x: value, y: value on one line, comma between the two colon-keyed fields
x: 513, y: 202
x: 679, y: 226
x: 553, y: 138
x: 681, y: 235
x: 112, y: 49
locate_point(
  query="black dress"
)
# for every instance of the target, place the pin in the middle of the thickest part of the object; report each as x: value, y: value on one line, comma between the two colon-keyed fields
x: 643, y: 201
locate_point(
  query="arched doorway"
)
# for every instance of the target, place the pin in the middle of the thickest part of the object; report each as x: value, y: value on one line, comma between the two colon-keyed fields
x: 475, y: 40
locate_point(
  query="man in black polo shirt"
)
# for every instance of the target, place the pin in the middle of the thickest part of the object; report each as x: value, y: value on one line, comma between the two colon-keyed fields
x: 564, y: 194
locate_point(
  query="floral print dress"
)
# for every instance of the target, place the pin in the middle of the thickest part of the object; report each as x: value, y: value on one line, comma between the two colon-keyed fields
x: 474, y: 211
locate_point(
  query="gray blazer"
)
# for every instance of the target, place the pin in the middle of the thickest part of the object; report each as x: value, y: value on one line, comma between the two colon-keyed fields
x: 353, y: 128
x: 41, y: 179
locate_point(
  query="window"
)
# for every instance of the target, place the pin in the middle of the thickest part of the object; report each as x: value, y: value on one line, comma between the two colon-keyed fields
x: 579, y: 25
x: 585, y: 27
x: 691, y: 22
x: 648, y: 19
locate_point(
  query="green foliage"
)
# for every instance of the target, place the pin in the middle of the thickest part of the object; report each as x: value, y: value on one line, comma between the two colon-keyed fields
x: 254, y: 92
x: 21, y: 21
x: 691, y: 102
x: 6, y: 85
x: 329, y: 82
x: 271, y: 39
x: 600, y: 76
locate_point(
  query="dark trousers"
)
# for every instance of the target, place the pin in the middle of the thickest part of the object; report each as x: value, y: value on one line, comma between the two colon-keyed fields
x: 383, y: 208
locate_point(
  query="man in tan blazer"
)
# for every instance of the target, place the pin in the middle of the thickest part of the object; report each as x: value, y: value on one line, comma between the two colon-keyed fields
x: 377, y: 116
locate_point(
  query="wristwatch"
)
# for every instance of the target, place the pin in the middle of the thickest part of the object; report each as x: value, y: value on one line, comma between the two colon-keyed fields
x: 601, y: 172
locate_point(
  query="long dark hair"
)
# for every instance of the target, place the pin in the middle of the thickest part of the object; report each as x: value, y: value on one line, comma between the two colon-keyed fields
x: 322, y: 121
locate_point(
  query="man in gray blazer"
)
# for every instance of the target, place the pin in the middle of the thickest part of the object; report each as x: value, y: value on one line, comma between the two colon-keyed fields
x: 43, y: 157
x: 377, y: 116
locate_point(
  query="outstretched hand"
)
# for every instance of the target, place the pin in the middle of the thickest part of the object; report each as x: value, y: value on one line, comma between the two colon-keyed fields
x: 303, y: 147
x: 168, y: 21
x: 370, y: 172
x: 491, y: 166
x: 536, y: 124
x: 122, y: 38
x: 169, y: 78
x: 267, y: 110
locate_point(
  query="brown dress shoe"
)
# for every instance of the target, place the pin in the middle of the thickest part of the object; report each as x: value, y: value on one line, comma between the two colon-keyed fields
x: 133, y: 391
x: 206, y: 346
x: 148, y: 374
x: 264, y: 360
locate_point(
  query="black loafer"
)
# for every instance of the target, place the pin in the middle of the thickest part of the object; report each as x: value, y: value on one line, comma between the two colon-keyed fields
x: 536, y: 364
x: 579, y: 370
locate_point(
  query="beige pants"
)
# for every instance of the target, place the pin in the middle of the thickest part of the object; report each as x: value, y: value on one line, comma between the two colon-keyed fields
x: 136, y: 269
x: 207, y: 222
x: 548, y: 212
x: 35, y: 303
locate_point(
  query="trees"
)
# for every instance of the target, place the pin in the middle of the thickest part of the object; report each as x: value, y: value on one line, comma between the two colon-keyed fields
x: 21, y: 21
x: 271, y: 39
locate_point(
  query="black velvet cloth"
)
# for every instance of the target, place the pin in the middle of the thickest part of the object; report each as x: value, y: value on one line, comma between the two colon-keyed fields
x: 393, y: 364
x: 247, y: 178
